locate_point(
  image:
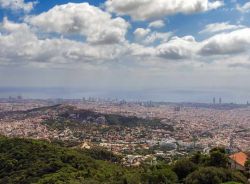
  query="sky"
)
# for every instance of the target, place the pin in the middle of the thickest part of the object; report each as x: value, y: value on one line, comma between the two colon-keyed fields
x: 161, y: 50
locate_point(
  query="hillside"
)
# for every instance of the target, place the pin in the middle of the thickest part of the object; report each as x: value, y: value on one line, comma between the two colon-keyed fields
x: 76, y: 117
x: 29, y: 161
x: 25, y: 161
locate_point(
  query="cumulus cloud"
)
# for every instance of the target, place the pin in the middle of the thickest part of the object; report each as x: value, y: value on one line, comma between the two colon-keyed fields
x: 178, y: 48
x: 22, y: 43
x: 140, y: 32
x: 221, y: 44
x: 11, y: 27
x: 220, y: 27
x: 244, y: 8
x: 227, y: 43
x: 233, y: 43
x: 140, y: 50
x: 96, y: 25
x: 157, y: 24
x: 157, y: 36
x: 17, y: 5
x: 148, y: 9
x: 19, y: 45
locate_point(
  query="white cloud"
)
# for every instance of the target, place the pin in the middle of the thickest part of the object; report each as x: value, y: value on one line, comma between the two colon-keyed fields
x: 20, y: 45
x: 10, y: 27
x: 244, y: 8
x: 234, y: 43
x: 157, y: 36
x: 227, y: 43
x: 178, y: 48
x: 157, y: 24
x: 140, y: 32
x: 220, y: 27
x: 16, y: 5
x: 140, y: 50
x: 89, y: 21
x: 148, y: 9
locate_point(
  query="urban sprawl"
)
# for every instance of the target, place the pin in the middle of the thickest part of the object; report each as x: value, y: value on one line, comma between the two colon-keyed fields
x: 135, y: 130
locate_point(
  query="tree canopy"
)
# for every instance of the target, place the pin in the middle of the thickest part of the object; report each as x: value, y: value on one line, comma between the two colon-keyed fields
x: 26, y: 161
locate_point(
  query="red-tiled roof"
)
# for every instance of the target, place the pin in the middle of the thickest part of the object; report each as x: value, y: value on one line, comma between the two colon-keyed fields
x: 239, y: 158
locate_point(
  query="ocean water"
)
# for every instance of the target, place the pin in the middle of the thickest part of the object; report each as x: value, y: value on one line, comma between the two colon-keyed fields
x: 166, y: 95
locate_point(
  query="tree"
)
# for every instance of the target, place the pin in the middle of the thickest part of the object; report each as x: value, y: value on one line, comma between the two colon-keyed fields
x: 218, y: 159
x: 160, y: 176
x: 213, y: 175
x: 199, y: 158
x: 31, y: 161
x: 183, y: 167
x: 247, y: 165
x: 219, y: 149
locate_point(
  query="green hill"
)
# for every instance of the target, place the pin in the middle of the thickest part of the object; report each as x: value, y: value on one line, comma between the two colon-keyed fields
x: 24, y: 161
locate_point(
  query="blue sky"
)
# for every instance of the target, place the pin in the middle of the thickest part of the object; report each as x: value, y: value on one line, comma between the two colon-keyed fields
x: 180, y: 23
x: 137, y: 49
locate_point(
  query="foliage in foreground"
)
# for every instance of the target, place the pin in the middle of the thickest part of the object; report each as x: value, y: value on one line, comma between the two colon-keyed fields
x: 29, y: 161
x: 25, y: 161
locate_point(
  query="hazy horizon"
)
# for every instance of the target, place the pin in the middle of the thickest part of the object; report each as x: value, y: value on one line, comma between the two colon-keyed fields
x: 164, y: 95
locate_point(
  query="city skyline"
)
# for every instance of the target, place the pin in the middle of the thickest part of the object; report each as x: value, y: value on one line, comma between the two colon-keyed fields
x: 183, y: 96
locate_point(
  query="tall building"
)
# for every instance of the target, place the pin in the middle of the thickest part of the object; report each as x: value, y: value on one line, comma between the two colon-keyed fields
x: 19, y: 97
x: 220, y: 101
x: 214, y: 100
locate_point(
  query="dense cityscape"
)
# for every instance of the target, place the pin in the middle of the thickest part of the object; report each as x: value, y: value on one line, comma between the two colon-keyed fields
x: 153, y: 129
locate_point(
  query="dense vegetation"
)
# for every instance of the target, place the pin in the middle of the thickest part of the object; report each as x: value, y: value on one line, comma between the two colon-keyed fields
x: 29, y: 161
x: 24, y: 161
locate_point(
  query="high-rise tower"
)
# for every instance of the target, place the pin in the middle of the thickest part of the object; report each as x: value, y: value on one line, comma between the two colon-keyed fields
x: 214, y: 101
x: 220, y: 101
